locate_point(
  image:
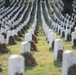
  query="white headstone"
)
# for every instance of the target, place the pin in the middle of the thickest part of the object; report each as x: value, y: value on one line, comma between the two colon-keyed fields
x: 30, y: 31
x: 62, y: 30
x: 75, y: 29
x: 49, y: 31
x: 73, y: 37
x: 52, y: 38
x: 7, y: 28
x: 8, y: 35
x: 2, y: 30
x: 59, y: 27
x: 1, y: 39
x: 25, y: 47
x: 15, y: 65
x: 67, y: 31
x: 28, y: 37
x: 58, y: 45
x: 13, y: 32
x: 68, y: 61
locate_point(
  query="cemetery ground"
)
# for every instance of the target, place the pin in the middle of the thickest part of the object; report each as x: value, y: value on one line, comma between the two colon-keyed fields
x: 44, y: 55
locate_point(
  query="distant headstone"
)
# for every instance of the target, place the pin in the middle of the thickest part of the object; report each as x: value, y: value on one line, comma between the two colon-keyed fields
x: 52, y: 38
x: 61, y: 33
x: 67, y: 31
x: 73, y: 37
x: 49, y: 31
x: 28, y: 37
x: 8, y: 35
x: 1, y: 39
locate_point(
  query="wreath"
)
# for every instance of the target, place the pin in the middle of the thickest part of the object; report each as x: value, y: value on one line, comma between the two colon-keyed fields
x: 3, y: 48
x: 34, y: 38
x: 33, y: 46
x: 72, y: 70
x: 29, y: 59
x: 17, y: 38
x: 20, y: 34
x: 11, y: 40
x: 60, y: 55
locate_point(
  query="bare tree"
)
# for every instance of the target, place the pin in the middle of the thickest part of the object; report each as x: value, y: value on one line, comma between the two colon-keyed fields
x: 7, y: 3
x: 67, y: 7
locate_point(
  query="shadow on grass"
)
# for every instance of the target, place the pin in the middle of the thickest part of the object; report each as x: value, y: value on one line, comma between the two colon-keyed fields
x: 30, y: 67
x: 58, y: 64
x: 73, y: 47
x: 12, y: 44
x: 36, y: 41
x: 5, y: 53
x: 51, y: 49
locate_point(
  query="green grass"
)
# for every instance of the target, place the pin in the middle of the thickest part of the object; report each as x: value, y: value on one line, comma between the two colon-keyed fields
x: 44, y: 56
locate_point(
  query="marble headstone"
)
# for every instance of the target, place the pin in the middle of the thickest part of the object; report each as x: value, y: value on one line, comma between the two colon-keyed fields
x: 52, y: 38
x: 58, y: 46
x: 67, y: 31
x: 73, y: 37
x: 25, y: 47
x: 16, y: 65
x: 68, y: 61
x: 1, y: 39
x: 28, y: 37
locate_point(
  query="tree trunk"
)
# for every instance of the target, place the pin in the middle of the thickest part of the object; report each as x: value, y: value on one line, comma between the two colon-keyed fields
x: 7, y: 3
x: 67, y: 7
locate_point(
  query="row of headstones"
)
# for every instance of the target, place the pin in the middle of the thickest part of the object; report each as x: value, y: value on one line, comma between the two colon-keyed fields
x: 59, y: 5
x: 2, y: 5
x: 16, y: 63
x: 68, y: 18
x: 15, y: 31
x: 66, y: 31
x: 74, y: 6
x: 2, y: 1
x: 7, y: 10
x: 68, y: 56
x: 5, y: 20
x: 12, y: 35
x: 18, y: 68
x: 3, y: 30
x: 7, y: 28
x: 59, y: 12
x: 14, y: 23
x: 25, y: 46
x: 64, y: 19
